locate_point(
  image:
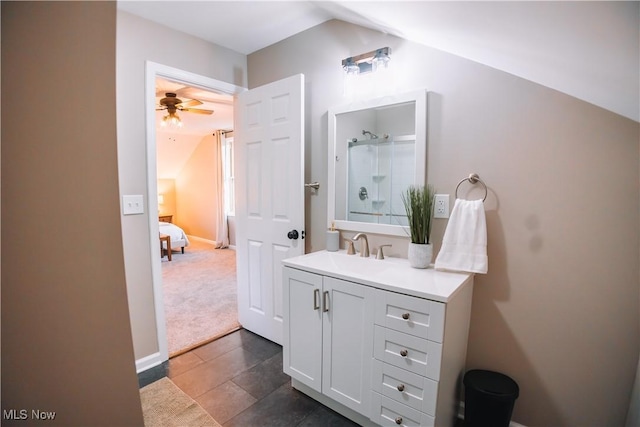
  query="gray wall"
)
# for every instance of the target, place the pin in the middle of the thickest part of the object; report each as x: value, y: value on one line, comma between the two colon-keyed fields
x: 559, y: 309
x: 66, y: 336
x: 139, y: 40
x: 196, y: 191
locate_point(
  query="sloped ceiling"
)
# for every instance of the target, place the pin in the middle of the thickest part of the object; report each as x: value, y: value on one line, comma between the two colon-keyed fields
x: 175, y: 146
x: 590, y: 50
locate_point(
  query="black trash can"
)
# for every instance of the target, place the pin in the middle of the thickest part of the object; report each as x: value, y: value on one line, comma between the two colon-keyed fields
x: 488, y: 398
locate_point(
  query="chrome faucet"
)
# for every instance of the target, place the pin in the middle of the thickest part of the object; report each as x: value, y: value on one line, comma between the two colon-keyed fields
x: 364, y: 245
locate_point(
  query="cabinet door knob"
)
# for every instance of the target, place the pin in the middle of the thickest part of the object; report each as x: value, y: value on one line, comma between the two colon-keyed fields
x: 399, y: 420
x: 405, y: 316
x: 404, y: 353
x: 316, y: 298
x: 400, y: 387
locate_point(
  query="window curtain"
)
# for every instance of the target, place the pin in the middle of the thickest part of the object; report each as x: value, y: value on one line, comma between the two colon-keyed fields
x: 222, y: 227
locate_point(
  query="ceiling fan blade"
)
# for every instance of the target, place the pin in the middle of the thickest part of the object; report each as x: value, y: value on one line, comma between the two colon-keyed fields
x: 191, y: 103
x: 197, y: 111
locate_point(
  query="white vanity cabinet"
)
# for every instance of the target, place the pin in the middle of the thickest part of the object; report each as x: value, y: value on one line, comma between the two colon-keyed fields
x: 376, y: 340
x: 328, y: 337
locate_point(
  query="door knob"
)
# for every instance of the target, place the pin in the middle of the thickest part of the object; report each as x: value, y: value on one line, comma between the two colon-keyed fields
x: 293, y: 234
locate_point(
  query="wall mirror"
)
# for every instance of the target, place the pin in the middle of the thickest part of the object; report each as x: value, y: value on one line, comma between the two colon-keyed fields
x: 377, y: 148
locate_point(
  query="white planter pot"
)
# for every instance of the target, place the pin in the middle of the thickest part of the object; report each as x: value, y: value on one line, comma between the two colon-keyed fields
x: 420, y: 255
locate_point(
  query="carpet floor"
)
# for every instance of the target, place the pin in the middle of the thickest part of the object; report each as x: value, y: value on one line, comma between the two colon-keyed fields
x: 165, y: 405
x: 200, y: 296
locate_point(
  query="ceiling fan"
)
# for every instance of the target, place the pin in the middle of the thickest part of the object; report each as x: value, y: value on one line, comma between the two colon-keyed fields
x: 172, y: 104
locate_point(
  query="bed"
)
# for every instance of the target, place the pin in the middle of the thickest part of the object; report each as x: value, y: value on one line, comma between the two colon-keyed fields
x: 177, y: 236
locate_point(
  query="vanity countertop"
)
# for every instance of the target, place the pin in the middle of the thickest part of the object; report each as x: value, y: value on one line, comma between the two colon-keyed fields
x: 392, y: 274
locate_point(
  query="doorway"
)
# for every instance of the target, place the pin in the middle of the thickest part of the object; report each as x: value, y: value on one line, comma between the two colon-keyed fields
x: 196, y: 82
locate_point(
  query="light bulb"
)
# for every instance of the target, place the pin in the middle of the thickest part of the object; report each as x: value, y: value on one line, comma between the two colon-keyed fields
x: 171, y: 120
x: 351, y: 67
x: 380, y: 60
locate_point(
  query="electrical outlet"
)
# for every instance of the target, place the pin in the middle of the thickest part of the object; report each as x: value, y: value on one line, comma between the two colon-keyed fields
x: 441, y: 208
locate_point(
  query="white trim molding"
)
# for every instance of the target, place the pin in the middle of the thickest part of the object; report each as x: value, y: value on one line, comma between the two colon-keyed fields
x: 148, y: 362
x: 152, y: 71
x: 211, y: 242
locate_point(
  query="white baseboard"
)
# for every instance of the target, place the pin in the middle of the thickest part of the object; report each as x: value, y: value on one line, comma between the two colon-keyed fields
x: 148, y: 362
x: 211, y: 242
x: 461, y: 416
x: 201, y: 239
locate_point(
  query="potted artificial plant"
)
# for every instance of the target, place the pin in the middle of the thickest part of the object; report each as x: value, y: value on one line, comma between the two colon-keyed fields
x: 418, y: 204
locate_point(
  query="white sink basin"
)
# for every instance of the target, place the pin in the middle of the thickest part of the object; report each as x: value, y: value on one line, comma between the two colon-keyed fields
x: 393, y: 274
x: 354, y: 264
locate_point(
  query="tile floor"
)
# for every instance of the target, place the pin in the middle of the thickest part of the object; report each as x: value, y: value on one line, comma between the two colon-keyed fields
x: 238, y: 379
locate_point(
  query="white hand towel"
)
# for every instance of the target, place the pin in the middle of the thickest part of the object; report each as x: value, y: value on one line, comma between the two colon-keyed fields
x: 464, y: 246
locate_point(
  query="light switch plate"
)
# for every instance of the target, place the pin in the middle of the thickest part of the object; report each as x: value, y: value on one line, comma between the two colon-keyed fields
x: 132, y: 205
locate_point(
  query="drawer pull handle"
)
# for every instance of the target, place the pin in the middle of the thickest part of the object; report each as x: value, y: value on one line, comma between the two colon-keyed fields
x: 325, y: 301
x: 399, y: 420
x: 405, y: 316
x: 404, y: 353
x: 401, y: 387
x: 316, y: 298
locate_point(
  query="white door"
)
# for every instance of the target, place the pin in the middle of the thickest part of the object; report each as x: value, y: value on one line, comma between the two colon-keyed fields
x: 269, y: 167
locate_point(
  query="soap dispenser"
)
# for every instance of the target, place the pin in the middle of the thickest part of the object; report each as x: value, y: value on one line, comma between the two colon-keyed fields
x: 333, y: 239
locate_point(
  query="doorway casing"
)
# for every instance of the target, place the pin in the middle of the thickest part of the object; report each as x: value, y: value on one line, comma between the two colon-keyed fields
x: 152, y: 71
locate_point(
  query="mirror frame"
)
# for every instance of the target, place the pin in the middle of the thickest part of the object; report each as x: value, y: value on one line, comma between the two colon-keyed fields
x: 420, y: 99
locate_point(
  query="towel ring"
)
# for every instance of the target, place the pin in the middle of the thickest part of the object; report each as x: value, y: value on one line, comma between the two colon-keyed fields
x: 474, y: 178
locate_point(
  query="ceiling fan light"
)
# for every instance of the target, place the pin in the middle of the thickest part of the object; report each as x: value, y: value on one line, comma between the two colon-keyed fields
x: 172, y: 119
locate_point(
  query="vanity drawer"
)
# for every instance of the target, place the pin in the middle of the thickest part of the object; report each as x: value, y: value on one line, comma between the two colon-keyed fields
x: 388, y: 412
x: 405, y: 387
x: 416, y: 316
x: 407, y: 352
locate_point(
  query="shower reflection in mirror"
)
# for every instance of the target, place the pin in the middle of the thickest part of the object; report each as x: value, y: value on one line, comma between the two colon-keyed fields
x: 380, y: 168
x: 378, y: 151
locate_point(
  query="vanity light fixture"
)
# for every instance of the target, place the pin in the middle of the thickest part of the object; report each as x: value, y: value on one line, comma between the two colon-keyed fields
x: 381, y: 59
x: 350, y: 67
x: 367, y: 62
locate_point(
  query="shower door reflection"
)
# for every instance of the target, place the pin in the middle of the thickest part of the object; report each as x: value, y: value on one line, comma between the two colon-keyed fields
x: 380, y: 169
